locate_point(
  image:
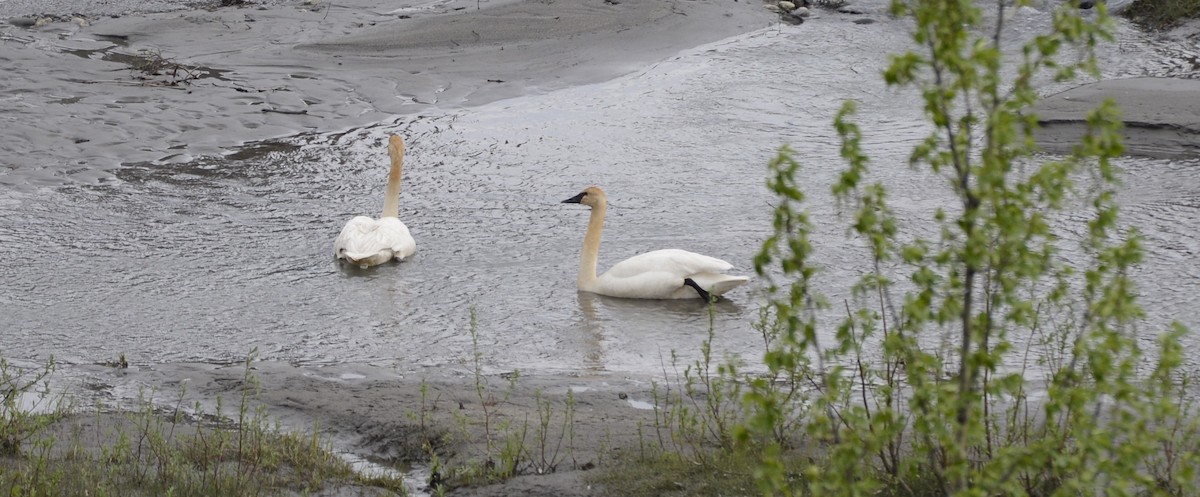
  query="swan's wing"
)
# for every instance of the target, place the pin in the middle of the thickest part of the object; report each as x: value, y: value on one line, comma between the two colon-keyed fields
x: 356, y: 230
x: 664, y: 285
x: 364, y: 237
x: 647, y: 285
x: 660, y: 274
x: 677, y: 262
x: 718, y: 283
x: 397, y: 237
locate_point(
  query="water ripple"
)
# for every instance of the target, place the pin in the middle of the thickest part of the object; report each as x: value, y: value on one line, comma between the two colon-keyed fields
x: 203, y: 260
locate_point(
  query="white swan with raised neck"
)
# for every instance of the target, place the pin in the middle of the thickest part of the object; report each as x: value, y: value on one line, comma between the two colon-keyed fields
x: 367, y: 242
x: 661, y: 274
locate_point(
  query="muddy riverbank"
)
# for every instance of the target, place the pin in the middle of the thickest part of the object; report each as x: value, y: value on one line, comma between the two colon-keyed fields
x: 198, y: 250
x: 91, y: 85
x: 1161, y: 116
x: 385, y: 418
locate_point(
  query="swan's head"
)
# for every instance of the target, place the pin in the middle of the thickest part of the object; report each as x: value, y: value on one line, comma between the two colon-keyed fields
x: 590, y: 196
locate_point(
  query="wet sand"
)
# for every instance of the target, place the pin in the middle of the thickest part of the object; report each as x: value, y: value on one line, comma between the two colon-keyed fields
x: 1161, y: 116
x: 75, y: 104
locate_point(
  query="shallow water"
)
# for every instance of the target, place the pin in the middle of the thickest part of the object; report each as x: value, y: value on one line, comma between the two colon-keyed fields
x: 208, y: 259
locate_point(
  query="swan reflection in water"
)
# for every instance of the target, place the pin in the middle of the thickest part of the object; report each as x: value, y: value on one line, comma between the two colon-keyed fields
x: 610, y: 319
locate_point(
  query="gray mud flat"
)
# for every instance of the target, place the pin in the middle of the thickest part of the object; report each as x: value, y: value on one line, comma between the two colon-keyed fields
x: 1161, y: 116
x: 78, y: 99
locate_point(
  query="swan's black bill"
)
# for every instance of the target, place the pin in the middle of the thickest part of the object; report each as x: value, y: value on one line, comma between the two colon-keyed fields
x: 576, y: 199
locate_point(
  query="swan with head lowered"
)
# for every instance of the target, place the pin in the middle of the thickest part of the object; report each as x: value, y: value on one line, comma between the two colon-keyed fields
x: 367, y: 242
x: 661, y: 274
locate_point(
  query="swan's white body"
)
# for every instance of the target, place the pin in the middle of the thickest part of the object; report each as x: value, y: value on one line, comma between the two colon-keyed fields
x: 661, y: 274
x: 369, y: 242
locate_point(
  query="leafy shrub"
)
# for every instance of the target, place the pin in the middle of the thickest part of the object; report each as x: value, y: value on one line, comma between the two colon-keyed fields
x: 929, y: 384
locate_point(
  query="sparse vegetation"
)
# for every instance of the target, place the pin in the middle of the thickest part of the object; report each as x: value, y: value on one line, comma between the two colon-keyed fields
x: 1162, y: 14
x: 691, y: 447
x: 667, y: 475
x: 157, y: 451
x: 511, y: 446
x: 154, y: 68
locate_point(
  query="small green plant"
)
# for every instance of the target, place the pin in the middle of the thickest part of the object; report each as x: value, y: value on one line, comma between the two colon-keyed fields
x: 697, y: 409
x: 432, y: 436
x: 487, y: 398
x: 691, y: 449
x: 27, y: 405
x: 549, y: 449
x: 511, y: 444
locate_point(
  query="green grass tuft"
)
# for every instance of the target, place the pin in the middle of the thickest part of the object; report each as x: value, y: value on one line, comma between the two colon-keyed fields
x: 1162, y: 14
x: 668, y: 475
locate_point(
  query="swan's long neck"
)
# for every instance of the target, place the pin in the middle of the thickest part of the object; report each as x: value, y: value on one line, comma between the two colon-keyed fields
x: 591, y: 246
x: 391, y: 203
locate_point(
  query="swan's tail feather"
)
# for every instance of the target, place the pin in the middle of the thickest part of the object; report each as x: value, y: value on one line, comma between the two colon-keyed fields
x: 725, y: 284
x: 366, y: 259
x: 356, y: 258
